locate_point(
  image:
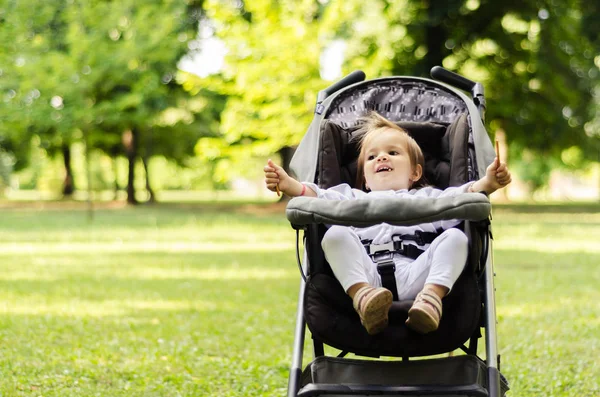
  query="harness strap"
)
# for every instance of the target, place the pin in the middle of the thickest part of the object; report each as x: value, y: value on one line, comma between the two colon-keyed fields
x: 383, y: 255
x: 420, y: 237
x: 387, y: 269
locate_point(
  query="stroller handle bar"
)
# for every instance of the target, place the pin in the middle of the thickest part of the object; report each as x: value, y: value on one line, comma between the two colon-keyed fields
x: 354, y: 77
x: 437, y: 72
x: 456, y: 80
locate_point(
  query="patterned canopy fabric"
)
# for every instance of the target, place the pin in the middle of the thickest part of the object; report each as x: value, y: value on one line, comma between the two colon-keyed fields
x: 396, y: 100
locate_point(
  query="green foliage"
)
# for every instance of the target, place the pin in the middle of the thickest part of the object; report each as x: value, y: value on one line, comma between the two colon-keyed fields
x: 534, y: 169
x: 271, y: 73
x: 6, y: 166
x: 534, y: 59
x: 537, y: 60
x: 89, y: 71
x: 93, y: 70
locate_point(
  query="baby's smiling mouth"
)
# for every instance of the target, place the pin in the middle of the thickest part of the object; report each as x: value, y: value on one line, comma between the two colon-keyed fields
x: 383, y: 168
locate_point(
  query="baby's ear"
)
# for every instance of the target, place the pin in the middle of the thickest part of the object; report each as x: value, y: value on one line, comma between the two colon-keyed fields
x: 417, y: 173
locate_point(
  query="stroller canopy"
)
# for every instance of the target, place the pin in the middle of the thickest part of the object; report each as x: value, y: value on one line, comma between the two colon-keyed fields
x: 397, y: 99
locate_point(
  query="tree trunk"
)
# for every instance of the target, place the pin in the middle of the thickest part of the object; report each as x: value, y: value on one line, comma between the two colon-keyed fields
x: 116, y: 174
x: 68, y: 185
x: 130, y: 144
x: 148, y: 187
x: 435, y: 37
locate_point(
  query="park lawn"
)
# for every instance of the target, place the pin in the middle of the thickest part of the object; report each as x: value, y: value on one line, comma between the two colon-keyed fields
x: 200, y: 300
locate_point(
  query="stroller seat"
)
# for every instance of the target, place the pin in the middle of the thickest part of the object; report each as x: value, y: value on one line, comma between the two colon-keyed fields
x: 332, y: 320
x: 328, y: 309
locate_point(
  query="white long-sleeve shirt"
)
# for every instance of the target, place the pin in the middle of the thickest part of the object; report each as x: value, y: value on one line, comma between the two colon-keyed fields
x: 382, y: 233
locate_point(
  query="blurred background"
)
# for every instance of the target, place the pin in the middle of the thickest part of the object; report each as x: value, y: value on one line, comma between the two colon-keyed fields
x: 139, y: 101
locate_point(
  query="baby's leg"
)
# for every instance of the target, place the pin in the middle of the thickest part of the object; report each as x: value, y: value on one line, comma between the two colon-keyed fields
x: 448, y: 258
x: 348, y: 258
x: 440, y: 267
x: 358, y: 275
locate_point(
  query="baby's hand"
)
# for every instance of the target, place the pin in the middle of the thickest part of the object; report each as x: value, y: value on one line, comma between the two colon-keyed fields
x: 276, y: 178
x: 497, y: 175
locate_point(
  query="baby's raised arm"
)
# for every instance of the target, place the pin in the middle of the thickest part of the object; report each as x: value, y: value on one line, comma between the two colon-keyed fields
x: 496, y: 177
x: 276, y: 176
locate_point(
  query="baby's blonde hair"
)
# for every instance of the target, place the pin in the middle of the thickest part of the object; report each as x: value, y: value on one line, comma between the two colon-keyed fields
x: 373, y: 123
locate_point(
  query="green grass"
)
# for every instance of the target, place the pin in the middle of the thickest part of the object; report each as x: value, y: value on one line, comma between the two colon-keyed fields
x: 200, y: 300
x: 548, y: 296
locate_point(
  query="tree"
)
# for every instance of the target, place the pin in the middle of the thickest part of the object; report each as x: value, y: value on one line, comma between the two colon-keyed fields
x: 535, y: 58
x: 135, y: 68
x: 533, y: 50
x: 270, y: 84
x: 100, y: 71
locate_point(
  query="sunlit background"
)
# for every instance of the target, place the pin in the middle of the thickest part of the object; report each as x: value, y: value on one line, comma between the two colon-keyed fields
x: 186, y: 100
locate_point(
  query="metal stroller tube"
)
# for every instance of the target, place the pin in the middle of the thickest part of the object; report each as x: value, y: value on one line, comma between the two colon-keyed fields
x: 491, y: 339
x: 296, y: 369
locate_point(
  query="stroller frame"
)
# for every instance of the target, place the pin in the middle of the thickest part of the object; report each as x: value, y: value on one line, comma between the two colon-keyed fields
x: 492, y: 359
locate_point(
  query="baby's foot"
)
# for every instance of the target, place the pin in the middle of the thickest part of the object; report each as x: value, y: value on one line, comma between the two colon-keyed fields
x: 372, y: 305
x: 425, y: 314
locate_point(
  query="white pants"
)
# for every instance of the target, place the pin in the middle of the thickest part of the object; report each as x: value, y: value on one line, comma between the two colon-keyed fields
x: 440, y: 264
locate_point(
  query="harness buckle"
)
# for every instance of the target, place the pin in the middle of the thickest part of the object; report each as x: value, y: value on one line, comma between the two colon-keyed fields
x: 396, y: 245
x: 419, y: 238
x: 384, y: 258
x: 377, y: 248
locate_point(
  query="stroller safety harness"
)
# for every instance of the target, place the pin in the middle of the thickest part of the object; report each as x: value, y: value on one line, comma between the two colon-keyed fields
x: 383, y: 254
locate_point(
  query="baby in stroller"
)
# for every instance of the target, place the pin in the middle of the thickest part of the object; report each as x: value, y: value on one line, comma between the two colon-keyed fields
x: 390, y: 164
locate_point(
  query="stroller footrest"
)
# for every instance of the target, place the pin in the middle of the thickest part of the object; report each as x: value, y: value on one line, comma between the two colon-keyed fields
x: 451, y: 376
x: 314, y: 390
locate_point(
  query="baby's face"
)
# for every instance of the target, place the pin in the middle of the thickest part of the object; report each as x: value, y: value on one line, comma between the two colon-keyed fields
x: 386, y: 163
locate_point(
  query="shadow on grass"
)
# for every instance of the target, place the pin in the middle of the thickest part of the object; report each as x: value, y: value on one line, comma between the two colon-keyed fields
x: 208, y: 319
x: 141, y: 218
x: 236, y: 278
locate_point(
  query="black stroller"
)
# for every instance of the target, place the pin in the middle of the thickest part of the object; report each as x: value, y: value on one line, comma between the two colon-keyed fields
x: 448, y: 126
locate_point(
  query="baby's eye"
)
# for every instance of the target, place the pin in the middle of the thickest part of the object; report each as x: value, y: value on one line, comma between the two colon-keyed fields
x: 393, y: 152
x: 370, y: 157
